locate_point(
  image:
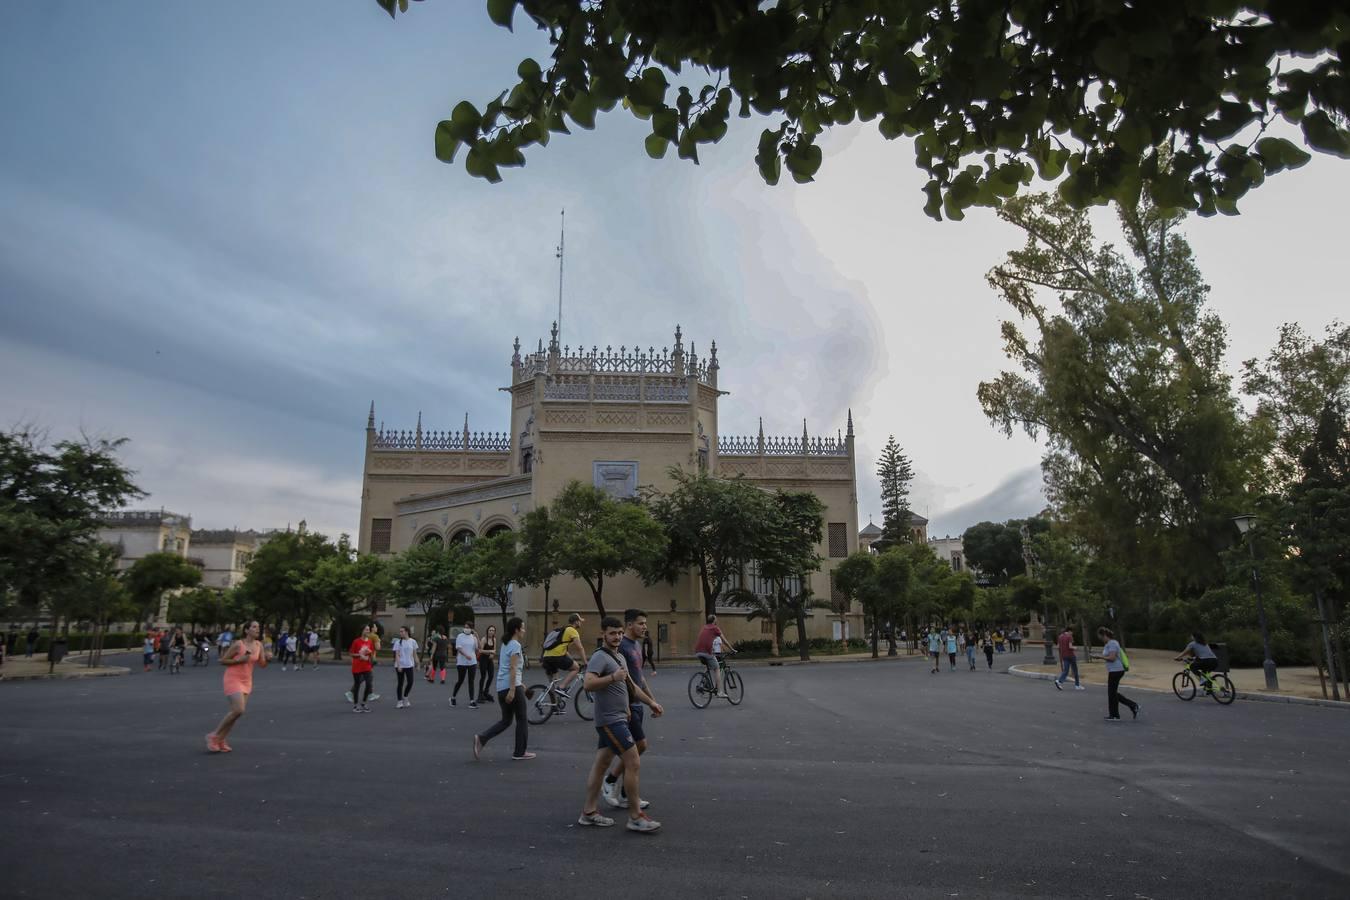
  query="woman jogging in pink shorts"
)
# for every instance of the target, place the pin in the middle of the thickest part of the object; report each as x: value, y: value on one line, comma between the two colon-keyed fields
x: 238, y: 661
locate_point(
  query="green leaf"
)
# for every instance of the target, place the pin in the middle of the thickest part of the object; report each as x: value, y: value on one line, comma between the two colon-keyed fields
x: 1278, y: 154
x: 666, y: 124
x: 934, y: 205
x: 388, y: 6
x: 446, y: 143
x: 501, y: 12
x: 1322, y: 134
x: 479, y: 165
x: 464, y: 120
x: 582, y: 110
x: 656, y: 146
x: 803, y: 161
x: 528, y: 70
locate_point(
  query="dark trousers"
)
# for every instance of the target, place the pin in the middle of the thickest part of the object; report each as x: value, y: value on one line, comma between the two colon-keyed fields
x: 462, y: 671
x: 513, y: 710
x: 1114, y: 697
x: 404, y: 682
x: 358, y: 679
x: 484, y: 673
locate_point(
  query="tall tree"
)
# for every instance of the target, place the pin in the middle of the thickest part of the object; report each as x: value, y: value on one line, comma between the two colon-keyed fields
x: 710, y: 524
x: 895, y: 473
x: 427, y: 576
x: 786, y: 553
x: 1148, y: 453
x: 538, y: 563
x: 152, y: 575
x: 879, y: 582
x: 490, y: 567
x: 599, y: 537
x: 51, y: 496
x: 994, y: 549
x: 1166, y: 100
x: 279, y: 585
x: 1293, y: 386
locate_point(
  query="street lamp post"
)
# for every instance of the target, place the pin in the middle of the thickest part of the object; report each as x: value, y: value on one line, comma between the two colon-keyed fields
x: 1244, y: 526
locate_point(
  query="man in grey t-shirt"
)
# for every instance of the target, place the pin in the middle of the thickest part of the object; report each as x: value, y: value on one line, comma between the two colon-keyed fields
x: 607, y: 679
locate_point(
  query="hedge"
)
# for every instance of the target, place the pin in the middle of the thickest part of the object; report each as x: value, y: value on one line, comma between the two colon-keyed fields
x: 78, y: 641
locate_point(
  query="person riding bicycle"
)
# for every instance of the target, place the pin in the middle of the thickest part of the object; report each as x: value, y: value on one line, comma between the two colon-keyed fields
x: 1199, y: 657
x: 708, y: 648
x: 557, y: 646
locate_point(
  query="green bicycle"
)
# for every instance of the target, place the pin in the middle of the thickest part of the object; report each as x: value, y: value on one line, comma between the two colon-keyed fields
x: 1190, y: 681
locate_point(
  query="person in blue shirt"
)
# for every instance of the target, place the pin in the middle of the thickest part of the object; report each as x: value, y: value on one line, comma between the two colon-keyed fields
x: 510, y: 694
x: 934, y: 646
x: 951, y: 646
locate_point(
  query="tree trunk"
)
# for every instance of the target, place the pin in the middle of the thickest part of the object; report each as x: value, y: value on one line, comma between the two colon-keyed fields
x: 803, y: 649
x: 709, y: 600
x: 875, y: 636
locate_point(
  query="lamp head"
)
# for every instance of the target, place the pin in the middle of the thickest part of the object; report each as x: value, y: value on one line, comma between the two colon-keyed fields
x: 1244, y: 523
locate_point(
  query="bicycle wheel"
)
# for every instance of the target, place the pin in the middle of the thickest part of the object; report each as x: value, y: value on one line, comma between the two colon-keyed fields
x: 735, y: 687
x: 1183, y: 686
x: 584, y: 703
x: 700, y: 690
x: 1224, y: 692
x: 538, y: 704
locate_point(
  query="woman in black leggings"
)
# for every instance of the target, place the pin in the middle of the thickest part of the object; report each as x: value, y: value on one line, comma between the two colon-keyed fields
x: 487, y: 663
x: 466, y: 664
x: 510, y: 694
x: 405, y: 663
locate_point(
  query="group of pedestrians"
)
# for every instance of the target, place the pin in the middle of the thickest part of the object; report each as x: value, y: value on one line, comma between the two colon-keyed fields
x: 954, y: 641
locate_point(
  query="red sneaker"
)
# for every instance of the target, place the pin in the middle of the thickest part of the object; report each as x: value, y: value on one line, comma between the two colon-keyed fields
x: 213, y: 743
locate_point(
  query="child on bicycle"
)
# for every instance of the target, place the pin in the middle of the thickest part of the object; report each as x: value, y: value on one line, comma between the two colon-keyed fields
x: 1199, y: 657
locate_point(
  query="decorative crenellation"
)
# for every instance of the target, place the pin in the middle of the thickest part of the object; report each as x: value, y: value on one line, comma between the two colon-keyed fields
x: 759, y: 445
x: 462, y: 440
x: 563, y: 360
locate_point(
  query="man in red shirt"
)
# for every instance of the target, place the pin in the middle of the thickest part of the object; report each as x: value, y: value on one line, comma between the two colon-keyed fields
x: 362, y: 651
x: 704, y: 649
x: 1067, y: 660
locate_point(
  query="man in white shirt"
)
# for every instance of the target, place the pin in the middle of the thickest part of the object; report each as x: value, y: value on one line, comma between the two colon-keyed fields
x: 466, y: 663
x: 405, y: 663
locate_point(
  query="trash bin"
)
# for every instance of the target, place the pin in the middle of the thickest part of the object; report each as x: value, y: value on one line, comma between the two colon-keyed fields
x: 56, y: 650
x: 1221, y: 653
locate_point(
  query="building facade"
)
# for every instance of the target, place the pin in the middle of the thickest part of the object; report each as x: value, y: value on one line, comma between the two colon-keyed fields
x: 617, y: 420
x: 137, y: 533
x: 225, y: 554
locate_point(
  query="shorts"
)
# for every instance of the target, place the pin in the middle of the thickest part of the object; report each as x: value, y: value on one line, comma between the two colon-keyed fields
x: 635, y: 716
x: 616, y: 736
x: 556, y: 664
x: 1205, y: 665
x: 708, y: 660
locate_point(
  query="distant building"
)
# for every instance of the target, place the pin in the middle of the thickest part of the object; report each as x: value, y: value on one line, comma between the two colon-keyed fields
x: 225, y: 554
x: 950, y: 550
x: 136, y: 533
x: 918, y: 529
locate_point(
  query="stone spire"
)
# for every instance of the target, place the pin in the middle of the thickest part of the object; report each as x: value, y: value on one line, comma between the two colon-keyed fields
x: 370, y: 419
x: 806, y: 441
x: 515, y: 357
x: 761, y: 436
x: 849, y: 433
x: 418, y: 435
x: 553, y: 339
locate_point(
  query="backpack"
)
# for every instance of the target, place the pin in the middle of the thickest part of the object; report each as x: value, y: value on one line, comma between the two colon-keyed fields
x: 1124, y: 660
x: 554, y: 637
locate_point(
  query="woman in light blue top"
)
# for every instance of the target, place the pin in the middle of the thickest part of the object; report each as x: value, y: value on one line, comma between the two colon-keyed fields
x: 1115, y: 670
x: 510, y: 693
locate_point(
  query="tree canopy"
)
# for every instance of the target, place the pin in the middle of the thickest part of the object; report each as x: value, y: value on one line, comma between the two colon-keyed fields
x: 895, y: 472
x: 599, y: 537
x: 1172, y: 98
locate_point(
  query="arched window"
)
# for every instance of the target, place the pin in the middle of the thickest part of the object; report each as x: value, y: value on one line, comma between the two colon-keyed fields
x: 463, y: 536
x: 497, y: 529
x: 432, y: 537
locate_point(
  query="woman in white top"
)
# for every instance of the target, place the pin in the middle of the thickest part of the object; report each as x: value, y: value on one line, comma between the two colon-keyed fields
x: 1115, y: 670
x: 466, y: 663
x: 405, y: 662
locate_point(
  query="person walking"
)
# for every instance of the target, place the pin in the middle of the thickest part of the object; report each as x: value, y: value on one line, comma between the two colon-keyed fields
x: 934, y: 648
x: 165, y: 645
x: 466, y: 663
x: 1067, y: 660
x: 1117, y: 664
x: 439, y: 655
x: 487, y: 667
x: 405, y: 663
x: 223, y: 641
x: 32, y: 637
x: 630, y: 648
x: 148, y: 651
x: 951, y: 647
x: 375, y: 645
x: 362, y: 651
x: 312, y: 643
x: 971, y: 642
x: 988, y: 644
x: 510, y: 694
x: 647, y: 658
x: 608, y: 679
x: 239, y: 663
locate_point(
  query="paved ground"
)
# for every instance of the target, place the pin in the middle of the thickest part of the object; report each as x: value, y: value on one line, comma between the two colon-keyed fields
x: 851, y: 780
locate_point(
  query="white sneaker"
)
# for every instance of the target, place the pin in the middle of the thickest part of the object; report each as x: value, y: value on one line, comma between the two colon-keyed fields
x: 643, y: 823
x: 610, y: 791
x: 350, y: 698
x: 1079, y: 687
x: 642, y: 804
x: 595, y: 819
x: 398, y: 705
x: 374, y: 697
x: 407, y: 703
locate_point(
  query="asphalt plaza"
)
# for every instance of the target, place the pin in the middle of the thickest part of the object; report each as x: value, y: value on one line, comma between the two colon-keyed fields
x: 832, y: 780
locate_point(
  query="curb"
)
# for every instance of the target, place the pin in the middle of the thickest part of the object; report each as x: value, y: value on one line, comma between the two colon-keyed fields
x: 102, y: 672
x: 1242, y: 695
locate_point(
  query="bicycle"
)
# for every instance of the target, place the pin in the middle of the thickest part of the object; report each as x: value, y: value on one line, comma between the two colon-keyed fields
x: 1187, y: 682
x: 543, y: 702
x: 702, y: 689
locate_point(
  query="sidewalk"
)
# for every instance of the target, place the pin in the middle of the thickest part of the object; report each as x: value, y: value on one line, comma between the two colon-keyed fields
x: 21, y: 668
x: 1153, y: 669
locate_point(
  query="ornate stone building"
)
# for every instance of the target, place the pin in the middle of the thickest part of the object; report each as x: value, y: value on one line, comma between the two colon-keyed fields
x: 618, y: 420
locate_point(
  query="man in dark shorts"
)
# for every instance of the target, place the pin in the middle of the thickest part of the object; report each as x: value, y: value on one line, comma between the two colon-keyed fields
x: 630, y: 648
x: 609, y: 681
x: 558, y: 658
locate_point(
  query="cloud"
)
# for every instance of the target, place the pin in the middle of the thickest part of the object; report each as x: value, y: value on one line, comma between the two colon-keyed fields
x: 1020, y: 495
